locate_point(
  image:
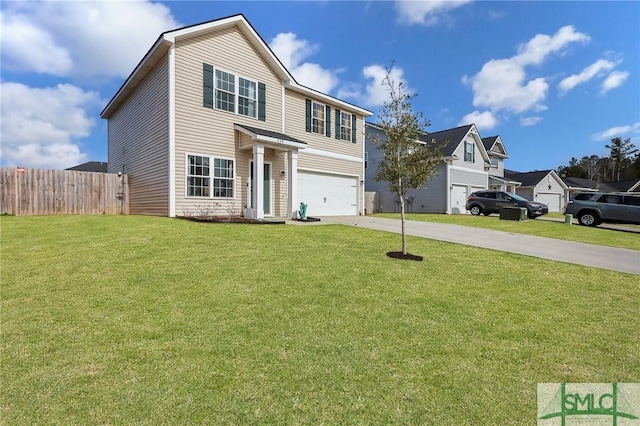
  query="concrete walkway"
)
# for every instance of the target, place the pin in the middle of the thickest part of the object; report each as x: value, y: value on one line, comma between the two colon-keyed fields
x: 612, y: 258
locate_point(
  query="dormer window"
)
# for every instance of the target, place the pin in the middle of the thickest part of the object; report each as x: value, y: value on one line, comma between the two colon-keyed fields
x: 470, y: 152
x: 494, y: 161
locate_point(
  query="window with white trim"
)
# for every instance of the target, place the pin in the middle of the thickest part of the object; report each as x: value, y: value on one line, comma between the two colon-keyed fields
x: 345, y: 126
x: 494, y: 161
x: 317, y: 118
x: 225, y: 91
x: 223, y: 178
x: 247, y: 97
x: 198, y: 173
x: 469, y: 152
x: 202, y: 183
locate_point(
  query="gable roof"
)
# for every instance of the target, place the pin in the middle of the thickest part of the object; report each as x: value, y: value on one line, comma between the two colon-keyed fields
x: 90, y: 166
x: 169, y: 38
x: 622, y: 186
x: 532, y: 178
x: 576, y: 182
x: 492, y: 142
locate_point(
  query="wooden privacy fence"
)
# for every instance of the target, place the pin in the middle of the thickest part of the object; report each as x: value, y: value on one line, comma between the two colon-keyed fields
x: 29, y: 192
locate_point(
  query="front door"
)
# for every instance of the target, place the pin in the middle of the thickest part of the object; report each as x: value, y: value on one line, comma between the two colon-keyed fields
x: 266, y: 184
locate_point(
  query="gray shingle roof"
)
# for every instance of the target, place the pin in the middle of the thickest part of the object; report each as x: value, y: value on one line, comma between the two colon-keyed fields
x: 453, y: 136
x: 270, y: 134
x: 528, y: 178
x: 90, y: 166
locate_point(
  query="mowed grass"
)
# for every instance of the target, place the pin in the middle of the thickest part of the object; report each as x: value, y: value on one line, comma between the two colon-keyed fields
x: 142, y: 320
x: 539, y: 227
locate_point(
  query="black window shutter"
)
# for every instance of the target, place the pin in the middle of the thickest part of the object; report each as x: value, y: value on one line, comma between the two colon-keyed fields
x: 327, y: 117
x: 354, y: 120
x: 338, y: 123
x: 262, y: 102
x: 207, y: 85
x: 308, y: 117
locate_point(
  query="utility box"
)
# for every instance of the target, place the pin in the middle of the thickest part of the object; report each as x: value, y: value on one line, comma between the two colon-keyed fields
x: 513, y: 213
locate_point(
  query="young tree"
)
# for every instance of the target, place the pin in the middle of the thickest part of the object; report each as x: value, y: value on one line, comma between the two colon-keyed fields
x: 407, y: 162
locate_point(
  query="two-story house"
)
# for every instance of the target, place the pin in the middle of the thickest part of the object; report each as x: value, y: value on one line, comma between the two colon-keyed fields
x: 210, y: 118
x: 469, y: 163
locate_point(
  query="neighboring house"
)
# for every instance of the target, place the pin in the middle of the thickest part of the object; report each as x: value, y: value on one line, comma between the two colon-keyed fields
x: 210, y: 110
x: 622, y: 186
x: 544, y: 186
x: 576, y: 184
x: 90, y: 166
x: 467, y: 166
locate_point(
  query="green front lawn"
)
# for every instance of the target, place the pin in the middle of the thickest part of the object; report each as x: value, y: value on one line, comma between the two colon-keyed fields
x: 142, y: 320
x: 538, y: 227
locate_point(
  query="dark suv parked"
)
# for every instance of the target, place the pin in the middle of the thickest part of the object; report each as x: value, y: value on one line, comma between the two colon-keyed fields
x: 487, y: 202
x: 594, y: 208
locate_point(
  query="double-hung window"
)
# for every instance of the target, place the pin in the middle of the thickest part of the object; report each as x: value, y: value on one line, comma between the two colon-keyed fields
x: 247, y: 97
x: 225, y: 91
x: 345, y: 126
x: 198, y: 176
x: 469, y: 152
x: 222, y: 178
x: 317, y: 118
x: 201, y: 182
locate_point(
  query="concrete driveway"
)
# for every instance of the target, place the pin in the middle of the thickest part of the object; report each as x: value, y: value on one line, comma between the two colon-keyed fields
x: 612, y: 258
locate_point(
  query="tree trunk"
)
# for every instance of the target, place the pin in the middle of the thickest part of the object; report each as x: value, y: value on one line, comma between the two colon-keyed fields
x: 404, y: 236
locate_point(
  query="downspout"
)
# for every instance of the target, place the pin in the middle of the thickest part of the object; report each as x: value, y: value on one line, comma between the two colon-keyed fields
x: 172, y: 130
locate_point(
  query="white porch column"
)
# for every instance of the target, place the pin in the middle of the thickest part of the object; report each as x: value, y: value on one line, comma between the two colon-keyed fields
x: 292, y: 183
x: 258, y: 181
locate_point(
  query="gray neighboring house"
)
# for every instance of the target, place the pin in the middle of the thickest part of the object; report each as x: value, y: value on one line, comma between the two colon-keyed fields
x: 543, y: 186
x: 469, y: 163
x: 576, y: 184
x: 632, y: 185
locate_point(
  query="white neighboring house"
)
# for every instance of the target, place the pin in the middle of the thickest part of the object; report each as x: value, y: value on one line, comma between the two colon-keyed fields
x: 469, y: 163
x: 544, y: 186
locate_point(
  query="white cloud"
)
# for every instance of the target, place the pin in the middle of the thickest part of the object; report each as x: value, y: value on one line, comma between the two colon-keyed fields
x: 39, y: 125
x: 596, y: 69
x: 615, y: 79
x: 425, y: 12
x: 292, y: 52
x: 81, y: 39
x: 619, y: 131
x: 374, y: 93
x: 483, y: 120
x: 502, y: 84
x: 530, y: 121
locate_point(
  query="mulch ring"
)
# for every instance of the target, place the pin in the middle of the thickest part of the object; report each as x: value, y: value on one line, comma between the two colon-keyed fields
x: 401, y: 256
x: 231, y: 219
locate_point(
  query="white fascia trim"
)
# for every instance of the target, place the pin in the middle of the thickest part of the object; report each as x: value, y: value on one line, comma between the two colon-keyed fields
x: 466, y: 169
x: 172, y: 131
x: 271, y: 140
x: 335, y: 155
x: 448, y: 189
x: 328, y: 99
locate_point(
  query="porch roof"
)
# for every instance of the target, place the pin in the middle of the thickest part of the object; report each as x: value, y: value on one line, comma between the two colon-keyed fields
x: 274, y: 139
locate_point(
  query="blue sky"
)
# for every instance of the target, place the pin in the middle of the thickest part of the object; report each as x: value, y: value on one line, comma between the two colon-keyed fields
x: 553, y: 79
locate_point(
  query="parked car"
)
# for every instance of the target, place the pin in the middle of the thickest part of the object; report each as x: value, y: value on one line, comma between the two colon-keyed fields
x: 487, y: 202
x: 594, y: 208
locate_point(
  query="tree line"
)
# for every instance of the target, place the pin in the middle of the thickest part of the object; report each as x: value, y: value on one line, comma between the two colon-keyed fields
x: 622, y: 163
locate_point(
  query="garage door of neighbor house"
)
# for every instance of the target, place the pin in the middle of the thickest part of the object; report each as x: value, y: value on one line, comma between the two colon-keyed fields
x: 552, y: 200
x: 458, y: 199
x: 328, y: 195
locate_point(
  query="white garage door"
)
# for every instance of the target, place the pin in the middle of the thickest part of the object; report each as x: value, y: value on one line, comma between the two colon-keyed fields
x: 458, y: 199
x: 552, y: 200
x: 328, y: 195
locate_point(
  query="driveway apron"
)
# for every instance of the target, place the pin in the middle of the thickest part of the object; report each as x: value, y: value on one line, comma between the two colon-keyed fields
x: 612, y: 258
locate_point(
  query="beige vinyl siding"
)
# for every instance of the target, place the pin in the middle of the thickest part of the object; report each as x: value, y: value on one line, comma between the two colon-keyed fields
x: 139, y: 143
x: 210, y: 131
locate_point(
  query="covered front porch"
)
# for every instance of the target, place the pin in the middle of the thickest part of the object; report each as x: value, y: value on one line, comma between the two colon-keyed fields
x: 497, y: 183
x: 256, y: 141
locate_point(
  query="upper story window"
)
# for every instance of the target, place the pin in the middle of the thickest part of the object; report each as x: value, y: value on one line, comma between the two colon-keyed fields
x: 229, y: 92
x: 317, y: 118
x: 225, y: 91
x: 470, y: 152
x: 345, y: 126
x: 247, y: 97
x: 494, y: 161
